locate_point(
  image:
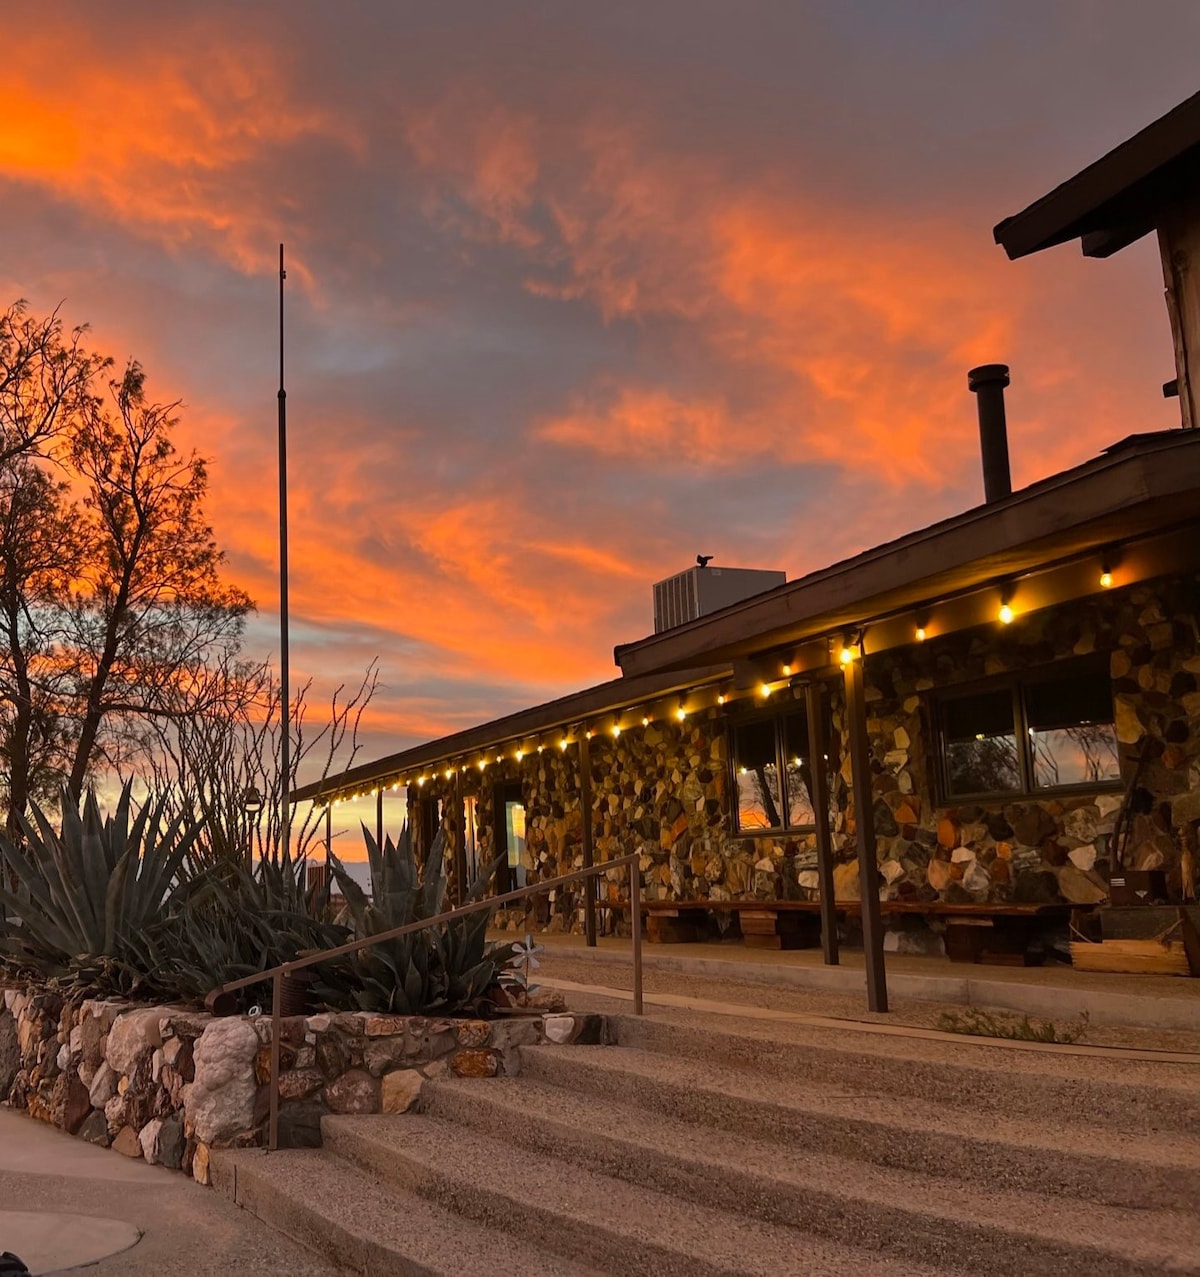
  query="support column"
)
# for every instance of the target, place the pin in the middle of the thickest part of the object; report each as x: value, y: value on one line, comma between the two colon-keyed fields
x: 379, y: 818
x: 585, y: 810
x: 819, y: 793
x: 864, y: 820
x: 460, y: 840
x: 328, y: 833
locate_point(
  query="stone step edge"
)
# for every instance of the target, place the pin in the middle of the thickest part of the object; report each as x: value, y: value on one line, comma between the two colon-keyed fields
x: 559, y: 1068
x: 613, y: 1225
x: 300, y: 1208
x: 1000, y: 1089
x: 998, y: 1212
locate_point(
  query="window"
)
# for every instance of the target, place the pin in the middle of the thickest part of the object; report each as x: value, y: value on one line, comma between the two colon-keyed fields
x: 1019, y: 735
x: 772, y: 768
x: 510, y: 836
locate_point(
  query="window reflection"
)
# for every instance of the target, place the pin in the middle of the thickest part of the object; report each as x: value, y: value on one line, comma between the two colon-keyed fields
x: 799, y: 771
x: 759, y: 804
x: 981, y: 744
x: 1071, y: 732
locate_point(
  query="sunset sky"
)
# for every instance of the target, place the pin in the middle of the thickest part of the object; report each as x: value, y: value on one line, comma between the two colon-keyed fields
x: 578, y: 291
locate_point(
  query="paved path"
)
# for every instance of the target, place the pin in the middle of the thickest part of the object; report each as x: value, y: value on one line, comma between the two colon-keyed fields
x: 65, y: 1203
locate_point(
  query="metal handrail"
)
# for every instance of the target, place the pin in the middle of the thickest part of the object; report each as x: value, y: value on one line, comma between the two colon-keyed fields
x: 276, y: 974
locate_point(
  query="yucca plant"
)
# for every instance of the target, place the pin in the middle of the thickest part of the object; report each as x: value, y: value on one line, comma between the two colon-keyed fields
x: 88, y: 900
x: 238, y: 924
x: 448, y: 967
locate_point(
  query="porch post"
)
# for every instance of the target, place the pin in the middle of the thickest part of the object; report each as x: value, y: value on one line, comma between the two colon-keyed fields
x: 328, y: 833
x: 585, y: 810
x: 819, y: 785
x: 864, y: 820
x: 460, y: 840
x: 379, y: 818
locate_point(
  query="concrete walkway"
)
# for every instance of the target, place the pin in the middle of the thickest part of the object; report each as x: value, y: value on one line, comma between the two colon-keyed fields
x: 65, y: 1204
x: 1059, y: 992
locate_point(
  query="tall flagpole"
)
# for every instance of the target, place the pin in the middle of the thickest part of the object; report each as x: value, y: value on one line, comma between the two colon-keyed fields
x: 285, y: 779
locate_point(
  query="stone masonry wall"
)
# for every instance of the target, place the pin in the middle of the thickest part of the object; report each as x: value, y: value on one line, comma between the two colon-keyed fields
x: 664, y: 789
x: 168, y: 1084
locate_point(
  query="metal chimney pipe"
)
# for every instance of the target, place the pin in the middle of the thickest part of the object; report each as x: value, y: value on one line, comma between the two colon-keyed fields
x: 987, y: 384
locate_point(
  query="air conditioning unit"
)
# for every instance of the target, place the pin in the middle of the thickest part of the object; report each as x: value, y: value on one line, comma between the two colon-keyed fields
x: 698, y: 591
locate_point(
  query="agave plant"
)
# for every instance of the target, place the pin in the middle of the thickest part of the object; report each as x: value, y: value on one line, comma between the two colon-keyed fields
x: 87, y: 900
x: 447, y: 967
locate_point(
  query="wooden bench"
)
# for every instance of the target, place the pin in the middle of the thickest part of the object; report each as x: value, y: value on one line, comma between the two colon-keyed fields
x: 1000, y: 934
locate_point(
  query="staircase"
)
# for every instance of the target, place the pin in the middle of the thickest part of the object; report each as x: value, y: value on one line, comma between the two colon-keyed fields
x: 752, y: 1149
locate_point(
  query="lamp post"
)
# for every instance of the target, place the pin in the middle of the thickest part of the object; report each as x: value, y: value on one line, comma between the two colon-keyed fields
x: 252, y: 804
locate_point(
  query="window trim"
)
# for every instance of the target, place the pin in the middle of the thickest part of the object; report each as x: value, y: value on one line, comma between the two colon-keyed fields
x: 1015, y: 681
x: 776, y: 714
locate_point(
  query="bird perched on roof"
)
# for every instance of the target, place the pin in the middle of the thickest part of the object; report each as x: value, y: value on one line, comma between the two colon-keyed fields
x: 704, y: 559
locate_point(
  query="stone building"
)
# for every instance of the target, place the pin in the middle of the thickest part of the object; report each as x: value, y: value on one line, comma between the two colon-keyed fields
x: 1002, y: 707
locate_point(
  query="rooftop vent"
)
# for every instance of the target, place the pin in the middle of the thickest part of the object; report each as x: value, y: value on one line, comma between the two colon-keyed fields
x: 698, y: 591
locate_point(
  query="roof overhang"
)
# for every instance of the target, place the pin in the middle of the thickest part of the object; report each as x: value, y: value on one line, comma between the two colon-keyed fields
x: 1146, y: 484
x: 1116, y: 200
x: 604, y: 698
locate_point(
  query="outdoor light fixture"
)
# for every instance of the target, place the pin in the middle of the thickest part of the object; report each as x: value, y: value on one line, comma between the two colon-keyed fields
x: 720, y: 698
x: 519, y: 755
x: 846, y: 655
x: 588, y: 734
x: 920, y: 634
x: 482, y: 763
x: 645, y: 720
x: 252, y: 800
x: 681, y: 713
x: 787, y: 671
x: 421, y: 780
x: 1106, y: 577
x: 541, y: 747
x: 1006, y: 614
x: 764, y: 690
x: 562, y: 744
x: 616, y: 729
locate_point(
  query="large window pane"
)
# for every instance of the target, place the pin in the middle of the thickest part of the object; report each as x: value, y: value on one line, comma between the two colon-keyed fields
x: 1071, y: 733
x: 514, y: 839
x: 981, y: 744
x: 799, y: 770
x: 757, y: 769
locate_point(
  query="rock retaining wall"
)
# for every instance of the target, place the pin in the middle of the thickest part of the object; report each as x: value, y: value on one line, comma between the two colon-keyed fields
x: 168, y: 1084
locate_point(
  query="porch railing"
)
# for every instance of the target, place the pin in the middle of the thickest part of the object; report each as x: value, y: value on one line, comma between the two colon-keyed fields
x: 276, y: 974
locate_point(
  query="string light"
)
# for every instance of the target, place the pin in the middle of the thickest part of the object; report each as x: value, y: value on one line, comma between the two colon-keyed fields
x: 420, y: 780
x: 764, y: 690
x: 846, y: 655
x: 787, y: 671
x: 920, y: 634
x: 616, y: 729
x: 519, y: 755
x: 1106, y: 579
x: 645, y: 720
x: 588, y: 734
x: 562, y: 744
x: 681, y: 713
x: 720, y: 698
x: 541, y: 748
x: 1006, y: 614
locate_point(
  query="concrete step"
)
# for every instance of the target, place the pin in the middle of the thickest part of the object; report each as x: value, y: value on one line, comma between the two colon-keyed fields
x: 1134, y: 1095
x: 899, y: 1213
x: 614, y: 1226
x: 1059, y: 1155
x: 363, y: 1226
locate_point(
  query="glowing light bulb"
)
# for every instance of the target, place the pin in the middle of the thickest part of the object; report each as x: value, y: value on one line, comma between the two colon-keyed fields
x: 721, y: 699
x: 589, y: 735
x: 1006, y: 614
x: 1106, y: 579
x: 846, y: 655
x: 420, y: 780
x: 920, y: 634
x: 541, y: 749
x: 645, y: 721
x: 787, y: 669
x: 681, y: 713
x: 519, y: 755
x: 449, y: 772
x: 764, y: 690
x: 562, y: 744
x: 616, y: 731
x: 482, y: 763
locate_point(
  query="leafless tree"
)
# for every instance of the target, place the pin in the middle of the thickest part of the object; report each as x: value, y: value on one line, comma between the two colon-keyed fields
x: 222, y: 740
